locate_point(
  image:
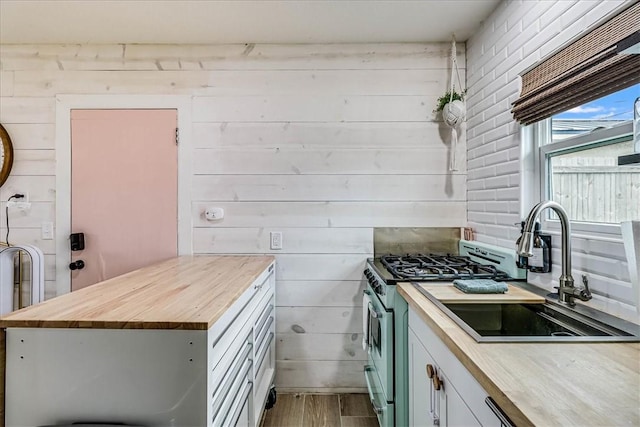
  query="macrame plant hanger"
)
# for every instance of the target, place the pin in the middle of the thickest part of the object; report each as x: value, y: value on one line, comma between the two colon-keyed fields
x: 455, y: 73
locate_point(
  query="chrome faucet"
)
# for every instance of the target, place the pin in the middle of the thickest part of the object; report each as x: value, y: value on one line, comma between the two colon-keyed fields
x: 567, y: 292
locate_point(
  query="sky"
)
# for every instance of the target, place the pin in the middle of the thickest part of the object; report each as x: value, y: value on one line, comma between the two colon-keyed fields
x: 617, y: 106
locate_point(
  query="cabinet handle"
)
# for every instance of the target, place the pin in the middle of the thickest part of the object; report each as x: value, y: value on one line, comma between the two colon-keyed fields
x: 263, y: 352
x: 233, y: 372
x: 430, y: 370
x: 242, y: 402
x: 433, y: 399
x: 437, y: 382
x: 504, y: 420
x: 264, y: 317
x: 431, y: 373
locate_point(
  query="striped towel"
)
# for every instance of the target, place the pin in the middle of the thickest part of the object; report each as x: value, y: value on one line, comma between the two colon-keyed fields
x: 480, y: 286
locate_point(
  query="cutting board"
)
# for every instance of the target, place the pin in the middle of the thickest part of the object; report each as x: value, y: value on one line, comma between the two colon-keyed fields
x: 451, y: 294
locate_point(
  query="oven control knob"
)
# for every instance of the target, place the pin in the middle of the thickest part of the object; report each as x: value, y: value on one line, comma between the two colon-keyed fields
x: 379, y: 288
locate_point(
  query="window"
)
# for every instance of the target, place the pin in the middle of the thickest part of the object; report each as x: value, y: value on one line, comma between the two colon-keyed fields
x: 578, y: 161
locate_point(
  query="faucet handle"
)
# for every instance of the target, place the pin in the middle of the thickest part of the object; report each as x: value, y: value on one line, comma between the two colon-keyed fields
x: 585, y: 294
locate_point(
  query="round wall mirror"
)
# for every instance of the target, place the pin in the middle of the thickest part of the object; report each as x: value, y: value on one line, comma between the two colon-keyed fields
x: 6, y: 155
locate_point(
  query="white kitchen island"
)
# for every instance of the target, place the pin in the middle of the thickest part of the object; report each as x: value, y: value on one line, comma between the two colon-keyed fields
x: 186, y: 342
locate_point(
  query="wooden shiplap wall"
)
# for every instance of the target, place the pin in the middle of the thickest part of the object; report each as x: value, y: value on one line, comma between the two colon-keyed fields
x: 320, y: 142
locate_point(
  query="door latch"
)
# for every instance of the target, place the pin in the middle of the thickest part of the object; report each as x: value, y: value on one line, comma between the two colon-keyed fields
x: 77, y: 241
x: 77, y: 265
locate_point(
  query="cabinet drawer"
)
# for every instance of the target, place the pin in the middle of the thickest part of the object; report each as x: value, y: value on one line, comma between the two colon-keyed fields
x: 265, y: 284
x: 266, y: 314
x: 265, y: 362
x: 384, y: 410
x: 238, y: 415
x: 222, y: 355
x: 220, y: 340
x: 242, y: 310
x: 263, y: 327
x: 241, y: 357
x: 265, y: 339
x: 234, y: 365
x: 229, y: 390
x: 266, y: 347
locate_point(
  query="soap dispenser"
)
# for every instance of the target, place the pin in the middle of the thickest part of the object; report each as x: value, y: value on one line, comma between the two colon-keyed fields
x: 521, y: 261
x: 540, y: 262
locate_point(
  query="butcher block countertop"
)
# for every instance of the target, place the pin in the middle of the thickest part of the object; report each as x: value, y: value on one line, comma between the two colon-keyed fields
x: 188, y: 292
x: 451, y: 294
x: 544, y: 384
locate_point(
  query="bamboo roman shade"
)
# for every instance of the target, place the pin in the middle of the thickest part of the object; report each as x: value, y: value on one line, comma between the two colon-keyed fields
x: 585, y: 70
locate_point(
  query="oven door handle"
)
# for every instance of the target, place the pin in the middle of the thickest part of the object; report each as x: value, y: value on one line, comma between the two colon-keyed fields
x: 366, y: 320
x: 374, y: 313
x: 376, y: 408
x: 370, y: 307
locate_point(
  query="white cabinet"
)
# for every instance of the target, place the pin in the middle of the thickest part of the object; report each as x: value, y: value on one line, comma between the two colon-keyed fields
x: 433, y: 400
x: 441, y: 390
x: 153, y: 377
x: 422, y: 411
x: 242, y: 357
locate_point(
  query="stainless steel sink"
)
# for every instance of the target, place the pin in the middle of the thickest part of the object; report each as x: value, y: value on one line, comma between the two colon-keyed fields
x: 544, y: 322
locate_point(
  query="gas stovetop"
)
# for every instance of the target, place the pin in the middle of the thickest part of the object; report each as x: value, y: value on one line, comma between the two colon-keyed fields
x: 476, y: 260
x: 421, y: 268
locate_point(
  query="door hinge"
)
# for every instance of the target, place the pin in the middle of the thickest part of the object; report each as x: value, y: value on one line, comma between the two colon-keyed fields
x: 177, y: 135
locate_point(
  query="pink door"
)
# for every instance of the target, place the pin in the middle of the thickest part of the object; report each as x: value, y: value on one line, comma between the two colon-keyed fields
x: 124, y: 190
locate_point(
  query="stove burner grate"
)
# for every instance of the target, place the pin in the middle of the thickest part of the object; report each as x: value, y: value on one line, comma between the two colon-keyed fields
x: 421, y: 267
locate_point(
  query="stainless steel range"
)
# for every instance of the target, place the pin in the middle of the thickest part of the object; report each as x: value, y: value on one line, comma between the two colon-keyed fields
x: 385, y: 320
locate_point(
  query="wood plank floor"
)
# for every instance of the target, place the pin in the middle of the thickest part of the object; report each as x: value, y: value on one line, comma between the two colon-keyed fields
x: 321, y: 410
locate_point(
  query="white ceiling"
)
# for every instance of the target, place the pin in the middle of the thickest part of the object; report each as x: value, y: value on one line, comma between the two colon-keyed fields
x: 257, y: 21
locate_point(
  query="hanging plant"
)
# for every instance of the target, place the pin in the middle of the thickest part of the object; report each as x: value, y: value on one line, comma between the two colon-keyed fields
x: 448, y: 97
x: 452, y: 106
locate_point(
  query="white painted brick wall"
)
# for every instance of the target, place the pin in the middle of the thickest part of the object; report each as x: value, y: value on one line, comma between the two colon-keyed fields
x: 516, y: 36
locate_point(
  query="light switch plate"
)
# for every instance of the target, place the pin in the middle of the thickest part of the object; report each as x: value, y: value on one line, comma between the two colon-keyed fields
x: 47, y: 230
x: 276, y: 240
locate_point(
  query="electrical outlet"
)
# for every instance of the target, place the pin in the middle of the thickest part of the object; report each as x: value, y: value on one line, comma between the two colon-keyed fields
x: 21, y: 206
x: 21, y: 203
x: 276, y: 240
x: 24, y: 199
